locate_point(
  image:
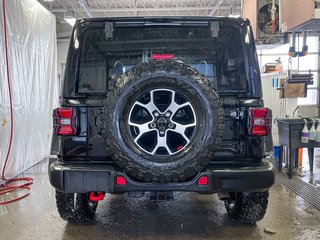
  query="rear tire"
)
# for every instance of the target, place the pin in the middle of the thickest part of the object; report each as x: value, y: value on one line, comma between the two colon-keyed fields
x: 75, y: 207
x: 247, y: 207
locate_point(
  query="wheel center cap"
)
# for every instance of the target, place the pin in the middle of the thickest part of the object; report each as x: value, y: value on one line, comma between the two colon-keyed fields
x: 162, y: 122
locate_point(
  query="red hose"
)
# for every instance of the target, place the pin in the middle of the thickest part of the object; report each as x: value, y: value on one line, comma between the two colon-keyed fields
x: 6, y: 187
x: 273, y: 26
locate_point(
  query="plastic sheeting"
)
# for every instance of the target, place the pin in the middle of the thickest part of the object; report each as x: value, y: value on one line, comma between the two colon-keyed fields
x: 32, y: 52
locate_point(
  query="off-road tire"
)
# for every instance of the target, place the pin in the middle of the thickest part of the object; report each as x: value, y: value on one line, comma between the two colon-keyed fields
x: 75, y: 208
x: 162, y: 74
x: 247, y: 207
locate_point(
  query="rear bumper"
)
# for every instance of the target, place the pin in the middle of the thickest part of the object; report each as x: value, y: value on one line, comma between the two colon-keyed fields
x: 92, y: 178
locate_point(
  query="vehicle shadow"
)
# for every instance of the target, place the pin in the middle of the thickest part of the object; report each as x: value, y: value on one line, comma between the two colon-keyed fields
x: 189, y: 216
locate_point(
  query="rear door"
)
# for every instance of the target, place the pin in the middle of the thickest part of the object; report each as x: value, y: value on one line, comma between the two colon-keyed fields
x: 220, y: 54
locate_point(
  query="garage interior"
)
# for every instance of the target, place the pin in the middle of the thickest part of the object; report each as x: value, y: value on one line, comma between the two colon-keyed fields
x: 34, y: 42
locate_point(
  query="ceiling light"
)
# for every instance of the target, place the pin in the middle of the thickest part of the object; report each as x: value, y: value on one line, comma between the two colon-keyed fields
x: 234, y: 15
x: 70, y: 18
x: 71, y: 21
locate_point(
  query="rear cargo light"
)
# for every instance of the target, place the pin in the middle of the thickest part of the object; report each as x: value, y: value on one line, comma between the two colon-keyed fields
x: 161, y: 56
x: 203, y: 180
x: 64, y: 121
x: 121, y: 180
x: 260, y: 121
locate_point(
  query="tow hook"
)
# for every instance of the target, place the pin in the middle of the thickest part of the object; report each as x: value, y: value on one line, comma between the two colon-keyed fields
x: 96, y: 196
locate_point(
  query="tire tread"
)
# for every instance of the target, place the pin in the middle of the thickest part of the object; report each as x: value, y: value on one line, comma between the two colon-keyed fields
x: 78, y: 212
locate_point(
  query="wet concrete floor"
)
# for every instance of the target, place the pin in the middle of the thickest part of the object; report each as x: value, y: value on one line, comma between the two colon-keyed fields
x: 189, y: 216
x: 313, y: 178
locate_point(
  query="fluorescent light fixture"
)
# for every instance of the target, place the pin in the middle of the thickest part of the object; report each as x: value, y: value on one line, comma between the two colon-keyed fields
x: 234, y: 15
x: 70, y: 18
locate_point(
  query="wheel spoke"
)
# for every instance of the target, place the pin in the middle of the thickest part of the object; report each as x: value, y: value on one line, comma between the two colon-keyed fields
x: 150, y: 106
x: 143, y: 128
x: 181, y: 128
x: 161, y: 142
x: 174, y: 107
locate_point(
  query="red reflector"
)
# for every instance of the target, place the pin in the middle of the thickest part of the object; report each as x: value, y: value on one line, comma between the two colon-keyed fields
x: 203, y: 180
x: 121, y: 180
x: 161, y: 56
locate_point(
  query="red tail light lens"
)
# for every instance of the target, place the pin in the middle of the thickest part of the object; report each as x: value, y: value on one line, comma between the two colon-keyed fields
x: 65, y: 112
x: 260, y: 121
x: 64, y: 121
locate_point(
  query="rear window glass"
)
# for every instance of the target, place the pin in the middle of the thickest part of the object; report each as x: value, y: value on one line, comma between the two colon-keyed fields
x: 220, y: 59
x: 93, y: 75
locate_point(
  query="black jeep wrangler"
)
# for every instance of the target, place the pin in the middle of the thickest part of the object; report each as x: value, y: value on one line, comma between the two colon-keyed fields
x: 161, y: 105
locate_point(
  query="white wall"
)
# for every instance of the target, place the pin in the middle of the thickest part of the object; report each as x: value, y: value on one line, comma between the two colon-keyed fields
x: 32, y: 67
x: 309, y: 62
x: 62, y: 52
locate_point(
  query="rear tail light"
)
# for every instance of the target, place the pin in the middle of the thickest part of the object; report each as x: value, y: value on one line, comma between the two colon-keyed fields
x: 260, y: 121
x: 65, y: 121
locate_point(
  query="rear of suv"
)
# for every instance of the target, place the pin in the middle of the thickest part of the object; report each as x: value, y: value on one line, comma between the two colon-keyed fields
x: 161, y: 105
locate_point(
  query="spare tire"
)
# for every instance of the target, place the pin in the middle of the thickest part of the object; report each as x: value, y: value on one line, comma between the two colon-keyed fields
x: 162, y: 121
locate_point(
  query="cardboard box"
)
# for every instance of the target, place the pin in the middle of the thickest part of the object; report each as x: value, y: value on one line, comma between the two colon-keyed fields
x: 293, y: 90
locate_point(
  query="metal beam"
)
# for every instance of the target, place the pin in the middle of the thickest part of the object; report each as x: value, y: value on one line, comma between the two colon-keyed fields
x: 232, y: 9
x: 215, y: 8
x: 84, y: 7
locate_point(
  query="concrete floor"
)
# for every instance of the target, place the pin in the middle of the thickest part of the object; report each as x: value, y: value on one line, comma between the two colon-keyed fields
x: 190, y: 216
x: 312, y: 178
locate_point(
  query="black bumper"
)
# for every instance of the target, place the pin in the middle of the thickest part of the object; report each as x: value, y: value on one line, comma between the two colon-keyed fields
x: 92, y: 178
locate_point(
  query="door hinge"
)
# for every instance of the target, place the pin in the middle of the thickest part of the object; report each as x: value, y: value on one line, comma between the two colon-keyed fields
x: 237, y: 113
